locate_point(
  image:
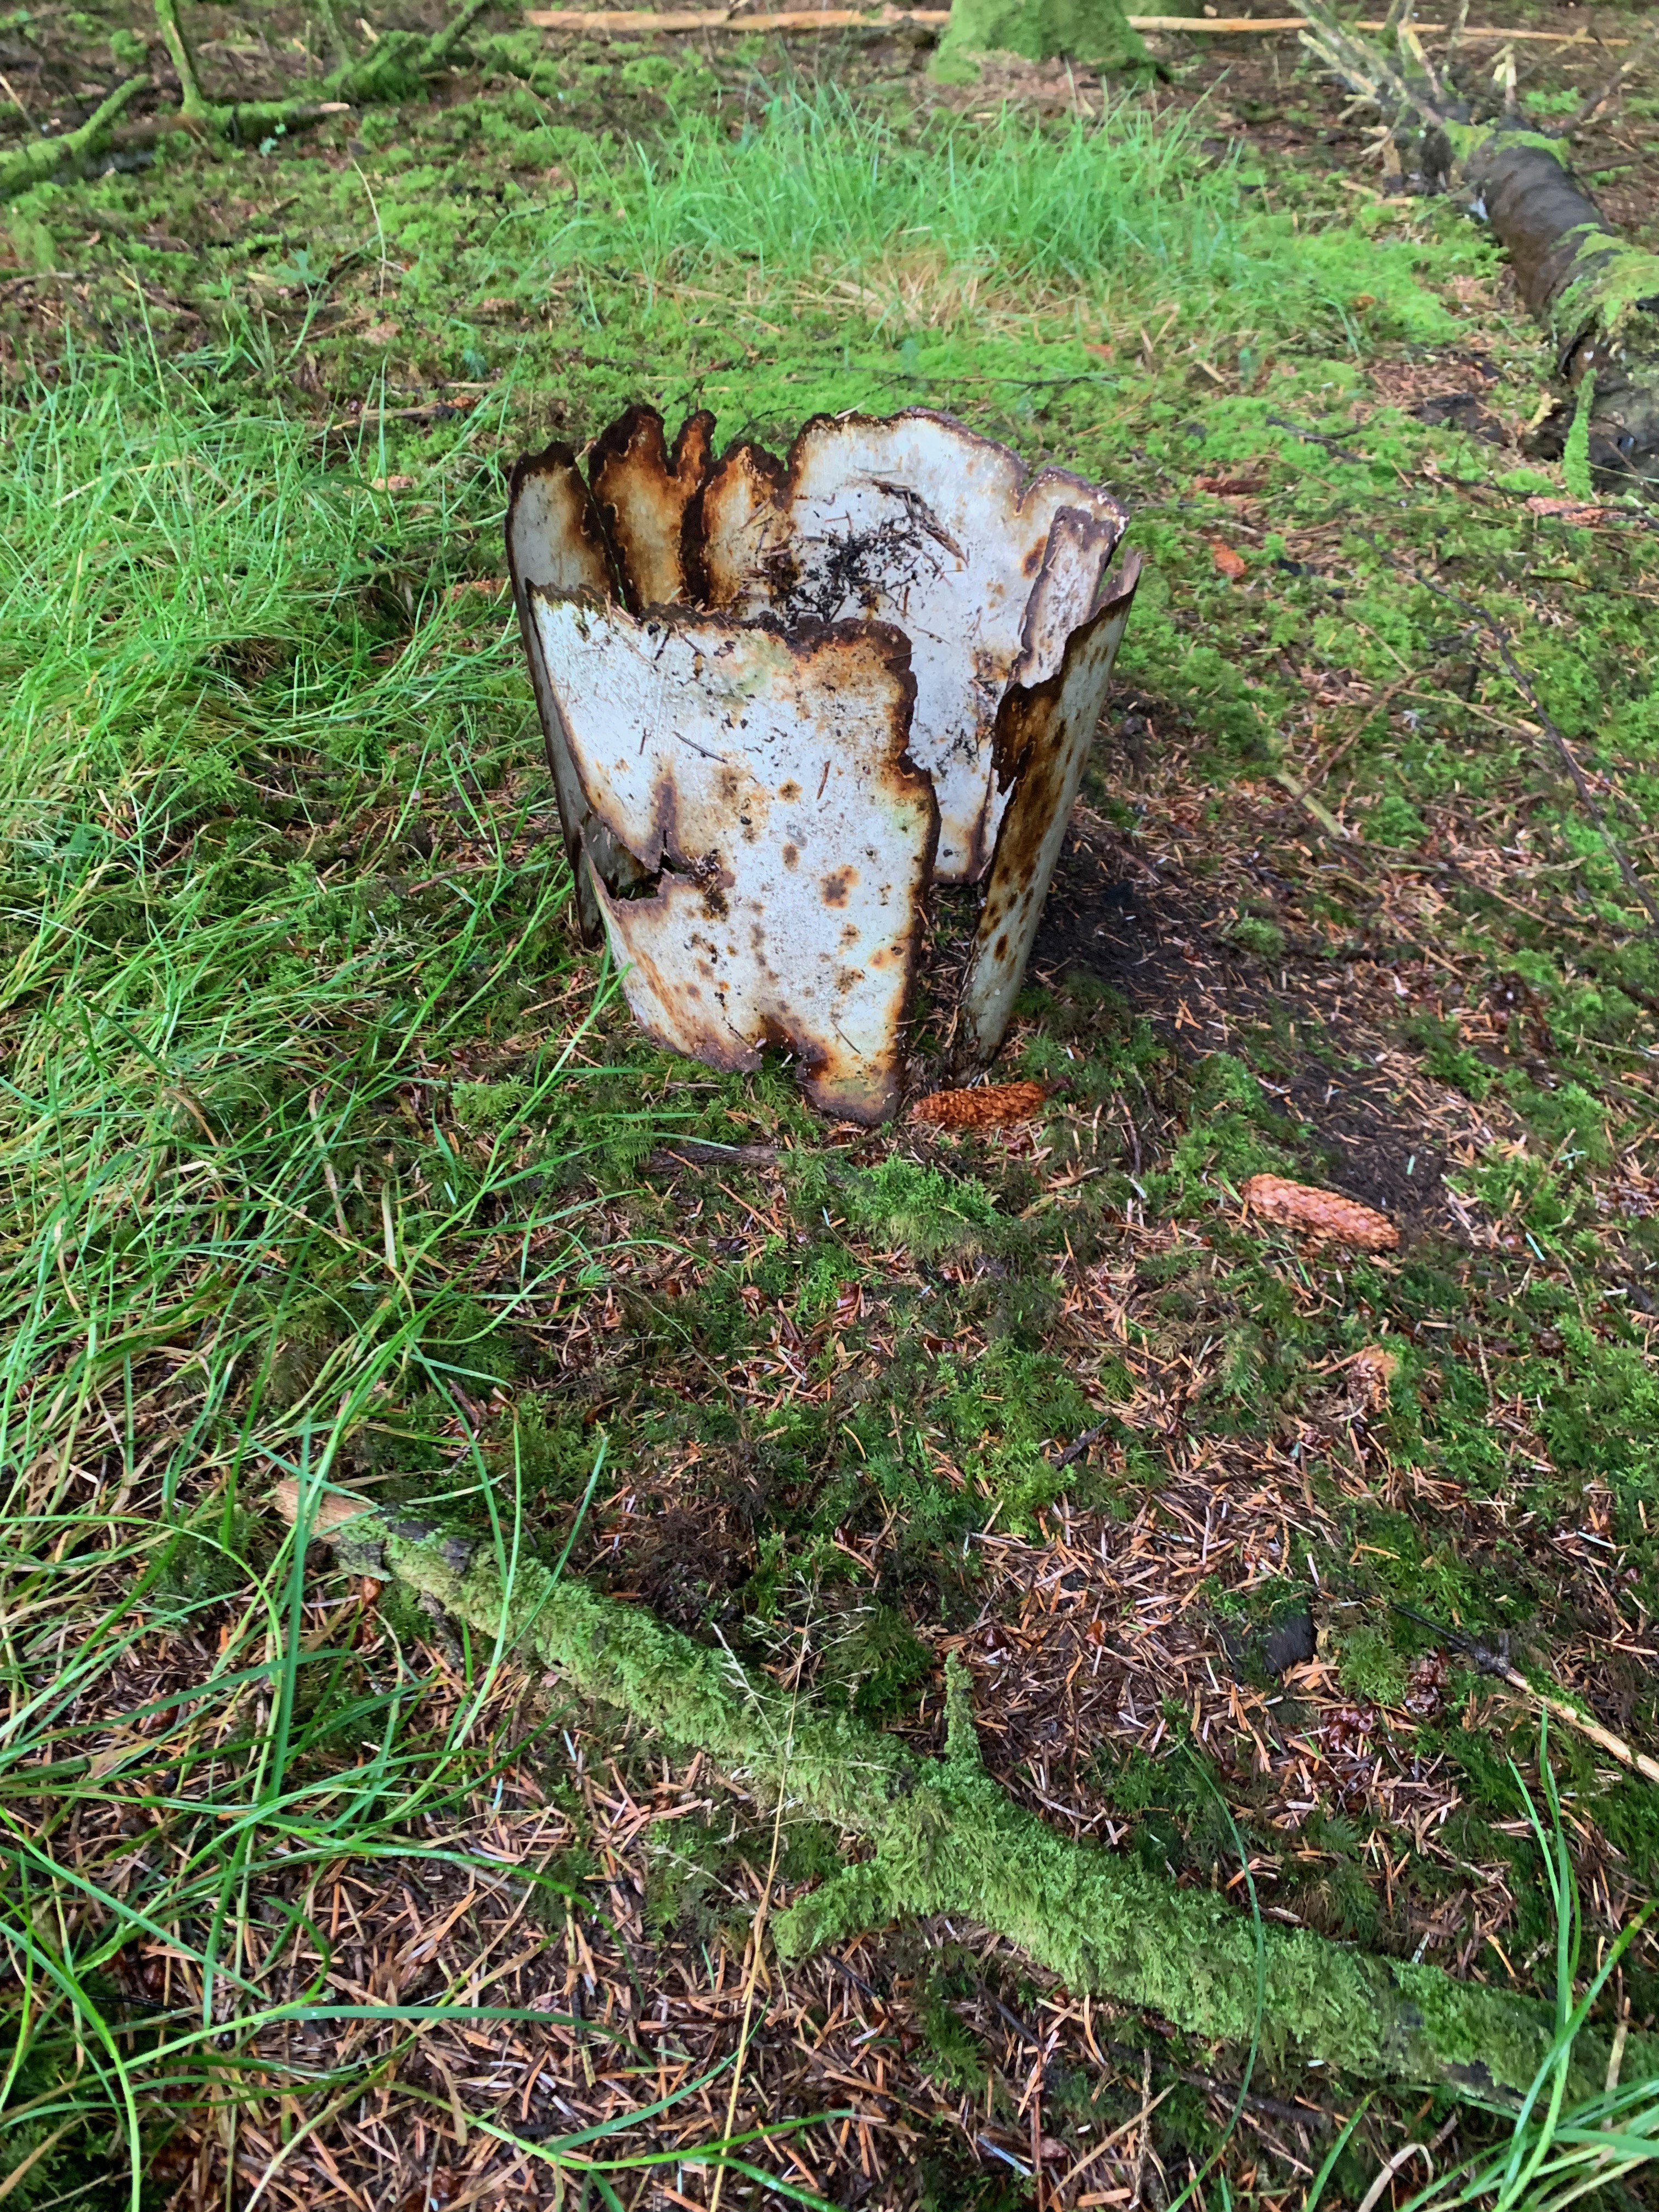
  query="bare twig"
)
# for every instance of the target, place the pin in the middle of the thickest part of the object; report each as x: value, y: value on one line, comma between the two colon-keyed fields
x: 1144, y: 2132
x: 1458, y: 32
x: 1405, y: 2151
x: 1497, y: 1663
x: 1318, y: 438
x: 699, y: 1151
x: 1596, y: 101
x: 1079, y: 1445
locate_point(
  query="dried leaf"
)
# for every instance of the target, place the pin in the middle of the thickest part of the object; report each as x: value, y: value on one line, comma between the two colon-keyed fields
x: 991, y: 1106
x: 1369, y: 1373
x: 1320, y: 1214
x: 331, y: 1512
x: 1233, y: 565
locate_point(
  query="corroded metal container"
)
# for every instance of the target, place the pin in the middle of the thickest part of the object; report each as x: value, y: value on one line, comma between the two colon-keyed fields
x: 783, y: 698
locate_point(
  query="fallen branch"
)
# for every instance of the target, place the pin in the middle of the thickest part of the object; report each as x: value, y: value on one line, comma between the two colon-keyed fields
x: 397, y: 69
x: 946, y: 1837
x: 40, y: 158
x: 700, y: 1151
x: 614, y: 22
x: 1595, y: 294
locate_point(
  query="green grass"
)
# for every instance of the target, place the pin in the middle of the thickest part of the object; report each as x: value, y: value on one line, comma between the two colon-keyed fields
x: 1111, y: 213
x: 244, y: 1235
x: 313, y: 1117
x: 214, y: 1010
x: 834, y: 232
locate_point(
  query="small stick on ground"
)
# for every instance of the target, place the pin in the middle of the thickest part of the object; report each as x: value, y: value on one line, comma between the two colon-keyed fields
x: 1144, y: 2130
x: 1494, y: 1662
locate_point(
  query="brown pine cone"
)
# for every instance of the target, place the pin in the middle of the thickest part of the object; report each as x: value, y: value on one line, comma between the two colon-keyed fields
x: 1320, y: 1214
x: 992, y: 1106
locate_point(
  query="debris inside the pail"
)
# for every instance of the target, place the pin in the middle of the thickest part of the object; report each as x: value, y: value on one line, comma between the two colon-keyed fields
x: 783, y: 699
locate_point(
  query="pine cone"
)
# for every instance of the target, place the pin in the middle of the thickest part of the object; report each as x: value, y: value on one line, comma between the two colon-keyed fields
x: 992, y: 1106
x: 1320, y: 1214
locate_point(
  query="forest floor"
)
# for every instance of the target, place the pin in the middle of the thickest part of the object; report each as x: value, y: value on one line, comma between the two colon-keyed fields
x: 327, y: 1151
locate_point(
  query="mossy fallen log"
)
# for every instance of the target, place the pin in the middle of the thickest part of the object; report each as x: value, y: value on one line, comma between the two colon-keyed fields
x: 1593, y: 292
x: 946, y: 1837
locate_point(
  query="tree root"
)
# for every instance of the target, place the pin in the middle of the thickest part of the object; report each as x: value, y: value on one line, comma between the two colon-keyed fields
x: 42, y: 158
x: 946, y: 1837
x: 1595, y: 294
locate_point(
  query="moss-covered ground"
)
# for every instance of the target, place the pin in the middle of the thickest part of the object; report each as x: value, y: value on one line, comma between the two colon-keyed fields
x: 327, y: 1151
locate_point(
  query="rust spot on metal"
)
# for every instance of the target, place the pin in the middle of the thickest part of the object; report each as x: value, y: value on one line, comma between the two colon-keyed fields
x: 643, y: 491
x: 899, y: 619
x: 1042, y: 738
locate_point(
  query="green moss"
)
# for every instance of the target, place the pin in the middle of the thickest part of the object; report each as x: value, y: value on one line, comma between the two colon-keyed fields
x: 1233, y: 1131
x: 1094, y: 31
x: 1574, y: 457
x: 907, y: 1203
x: 1619, y: 284
x: 1257, y: 934
x: 954, y: 2058
x: 1395, y: 821
x: 1447, y: 1058
x: 1370, y: 1667
x: 485, y: 1107
x: 872, y: 1656
x: 944, y: 1837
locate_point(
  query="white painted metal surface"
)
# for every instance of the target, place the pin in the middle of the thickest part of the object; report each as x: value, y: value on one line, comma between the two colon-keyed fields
x: 782, y: 696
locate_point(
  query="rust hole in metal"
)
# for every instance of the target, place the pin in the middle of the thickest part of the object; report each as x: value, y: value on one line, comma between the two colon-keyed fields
x: 783, y: 698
